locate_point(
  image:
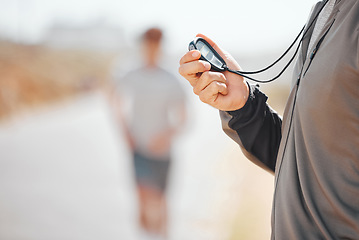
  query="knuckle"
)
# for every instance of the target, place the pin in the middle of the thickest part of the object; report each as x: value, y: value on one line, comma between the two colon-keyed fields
x: 181, y: 70
x: 192, y: 82
x: 204, y: 66
x: 196, y: 90
x: 182, y: 60
x: 213, y: 87
x: 222, y: 78
x: 203, y: 98
x: 220, y: 85
x: 185, y: 58
x: 206, y: 76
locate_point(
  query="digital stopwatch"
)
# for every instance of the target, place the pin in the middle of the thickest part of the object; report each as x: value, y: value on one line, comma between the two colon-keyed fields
x: 208, y: 54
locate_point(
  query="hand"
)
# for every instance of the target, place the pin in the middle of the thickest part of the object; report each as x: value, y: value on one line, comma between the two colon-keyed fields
x: 160, y: 144
x: 225, y: 91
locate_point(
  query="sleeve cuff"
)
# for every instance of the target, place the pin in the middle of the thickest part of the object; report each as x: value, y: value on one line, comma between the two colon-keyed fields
x: 249, y: 105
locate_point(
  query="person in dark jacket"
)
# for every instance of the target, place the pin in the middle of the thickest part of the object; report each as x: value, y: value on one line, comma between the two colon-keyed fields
x: 314, y: 149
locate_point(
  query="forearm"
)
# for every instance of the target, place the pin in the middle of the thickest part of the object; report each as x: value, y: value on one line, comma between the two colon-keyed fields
x: 256, y: 128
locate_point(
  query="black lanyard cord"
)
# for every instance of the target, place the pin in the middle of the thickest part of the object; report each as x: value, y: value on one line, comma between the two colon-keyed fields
x: 280, y: 58
x: 245, y: 73
x: 269, y: 80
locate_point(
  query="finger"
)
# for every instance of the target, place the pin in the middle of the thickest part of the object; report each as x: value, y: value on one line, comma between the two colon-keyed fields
x: 190, y: 70
x: 212, y: 43
x: 206, y: 79
x: 211, y: 93
x: 190, y: 56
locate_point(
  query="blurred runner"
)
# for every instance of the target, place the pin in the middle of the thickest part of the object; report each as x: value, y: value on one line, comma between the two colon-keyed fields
x: 152, y: 104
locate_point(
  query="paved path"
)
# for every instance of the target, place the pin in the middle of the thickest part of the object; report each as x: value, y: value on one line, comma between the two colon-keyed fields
x: 65, y: 174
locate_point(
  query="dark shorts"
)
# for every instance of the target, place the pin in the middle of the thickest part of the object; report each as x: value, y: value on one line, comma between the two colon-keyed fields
x: 151, y: 172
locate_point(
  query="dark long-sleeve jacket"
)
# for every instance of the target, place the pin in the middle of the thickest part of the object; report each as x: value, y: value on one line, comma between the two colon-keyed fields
x: 314, y: 152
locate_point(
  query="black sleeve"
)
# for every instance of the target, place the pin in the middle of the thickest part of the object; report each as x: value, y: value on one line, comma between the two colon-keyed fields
x: 256, y: 128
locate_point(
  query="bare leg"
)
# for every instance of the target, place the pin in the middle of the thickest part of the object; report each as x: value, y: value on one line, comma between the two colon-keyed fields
x: 153, y: 210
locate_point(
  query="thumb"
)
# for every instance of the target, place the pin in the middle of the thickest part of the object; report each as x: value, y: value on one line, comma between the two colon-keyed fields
x: 212, y: 43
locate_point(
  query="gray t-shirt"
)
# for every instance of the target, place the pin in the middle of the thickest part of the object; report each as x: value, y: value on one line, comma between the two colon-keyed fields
x: 319, y: 25
x: 152, y: 97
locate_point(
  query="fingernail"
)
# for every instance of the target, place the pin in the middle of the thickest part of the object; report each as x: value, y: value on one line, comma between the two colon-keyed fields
x: 195, y: 54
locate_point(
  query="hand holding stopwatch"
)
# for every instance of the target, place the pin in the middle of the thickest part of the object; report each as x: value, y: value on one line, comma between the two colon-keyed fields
x: 208, y: 54
x: 218, y: 64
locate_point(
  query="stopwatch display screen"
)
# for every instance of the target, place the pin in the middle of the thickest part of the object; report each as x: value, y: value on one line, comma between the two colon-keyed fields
x: 208, y: 54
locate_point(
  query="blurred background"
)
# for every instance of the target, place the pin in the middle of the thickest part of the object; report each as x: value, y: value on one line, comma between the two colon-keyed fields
x: 65, y: 168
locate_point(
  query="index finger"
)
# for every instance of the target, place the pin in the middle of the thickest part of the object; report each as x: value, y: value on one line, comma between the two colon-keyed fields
x: 190, y: 56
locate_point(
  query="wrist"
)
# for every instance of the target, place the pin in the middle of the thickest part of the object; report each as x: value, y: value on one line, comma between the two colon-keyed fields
x: 255, y: 97
x: 242, y: 100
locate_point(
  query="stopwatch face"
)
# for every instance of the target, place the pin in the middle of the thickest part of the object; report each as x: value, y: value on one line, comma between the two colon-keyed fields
x: 208, y: 54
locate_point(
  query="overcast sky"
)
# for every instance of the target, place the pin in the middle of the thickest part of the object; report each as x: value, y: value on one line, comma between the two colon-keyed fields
x: 235, y: 24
